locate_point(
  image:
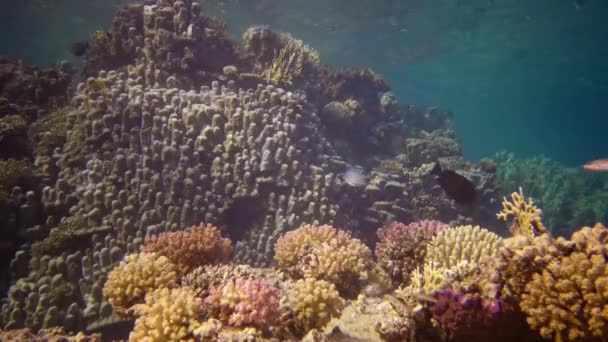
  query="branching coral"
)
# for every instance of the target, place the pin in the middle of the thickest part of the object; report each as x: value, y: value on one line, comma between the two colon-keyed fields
x: 203, y: 278
x: 403, y: 247
x: 167, y: 315
x: 279, y: 57
x: 568, y: 299
x: 323, y: 252
x: 463, y: 243
x: 135, y: 276
x: 245, y: 302
x: 452, y: 254
x: 313, y: 303
x: 425, y: 280
x: 196, y: 246
x: 526, y: 215
x: 518, y: 258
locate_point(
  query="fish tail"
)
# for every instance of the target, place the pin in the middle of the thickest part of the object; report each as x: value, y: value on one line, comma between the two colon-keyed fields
x: 436, y: 169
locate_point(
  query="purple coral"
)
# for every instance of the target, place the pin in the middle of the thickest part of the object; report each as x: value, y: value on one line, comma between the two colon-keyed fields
x: 245, y: 302
x: 457, y: 313
x: 401, y: 247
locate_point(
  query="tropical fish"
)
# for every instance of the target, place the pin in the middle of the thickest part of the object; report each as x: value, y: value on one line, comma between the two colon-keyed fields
x: 354, y: 176
x: 79, y: 48
x: 455, y: 185
x: 597, y: 165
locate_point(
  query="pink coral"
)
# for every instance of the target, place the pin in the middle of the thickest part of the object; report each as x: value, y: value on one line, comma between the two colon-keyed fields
x: 401, y: 247
x: 188, y: 249
x: 245, y: 302
x: 460, y: 314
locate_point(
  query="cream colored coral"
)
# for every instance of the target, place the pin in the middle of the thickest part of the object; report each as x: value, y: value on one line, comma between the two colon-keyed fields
x: 526, y: 214
x: 425, y: 280
x: 135, y: 276
x: 323, y: 252
x: 568, y: 299
x: 314, y: 302
x: 168, y: 315
x: 463, y: 243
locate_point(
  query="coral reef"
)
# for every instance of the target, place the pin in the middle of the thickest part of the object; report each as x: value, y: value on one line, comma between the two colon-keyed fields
x: 400, y: 248
x: 31, y: 92
x: 170, y: 127
x: 526, y: 215
x: 167, y: 315
x: 569, y: 197
x: 324, y: 252
x: 450, y: 247
x: 458, y: 314
x: 47, y: 335
x: 13, y: 138
x: 568, y: 299
x: 312, y: 303
x: 135, y: 276
x: 245, y: 302
x: 176, y: 39
x: 190, y: 248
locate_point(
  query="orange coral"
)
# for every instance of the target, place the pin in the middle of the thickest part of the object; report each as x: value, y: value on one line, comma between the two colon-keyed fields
x: 188, y: 249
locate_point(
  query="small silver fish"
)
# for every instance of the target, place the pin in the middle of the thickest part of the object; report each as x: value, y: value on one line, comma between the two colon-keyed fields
x: 354, y: 176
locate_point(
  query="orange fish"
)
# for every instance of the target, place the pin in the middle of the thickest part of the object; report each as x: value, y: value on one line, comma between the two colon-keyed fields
x: 597, y: 165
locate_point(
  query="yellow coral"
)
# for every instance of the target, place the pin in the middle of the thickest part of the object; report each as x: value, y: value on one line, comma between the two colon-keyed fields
x: 427, y: 280
x: 469, y: 243
x: 168, y: 315
x: 526, y: 214
x: 314, y: 302
x: 135, y: 276
x: 289, y: 61
x: 568, y: 299
x: 323, y: 252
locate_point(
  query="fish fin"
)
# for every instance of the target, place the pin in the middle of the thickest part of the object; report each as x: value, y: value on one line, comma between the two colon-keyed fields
x: 436, y: 169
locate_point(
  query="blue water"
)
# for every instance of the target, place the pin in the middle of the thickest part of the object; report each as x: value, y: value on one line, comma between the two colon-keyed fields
x: 528, y: 77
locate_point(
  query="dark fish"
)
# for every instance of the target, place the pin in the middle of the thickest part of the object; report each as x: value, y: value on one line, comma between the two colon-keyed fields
x: 578, y: 4
x: 79, y: 48
x: 455, y: 185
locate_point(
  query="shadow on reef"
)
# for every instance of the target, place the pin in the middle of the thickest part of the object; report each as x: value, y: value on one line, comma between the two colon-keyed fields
x: 172, y: 125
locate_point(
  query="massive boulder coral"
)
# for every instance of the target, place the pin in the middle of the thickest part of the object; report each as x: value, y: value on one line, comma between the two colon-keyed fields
x: 324, y: 252
x: 176, y: 39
